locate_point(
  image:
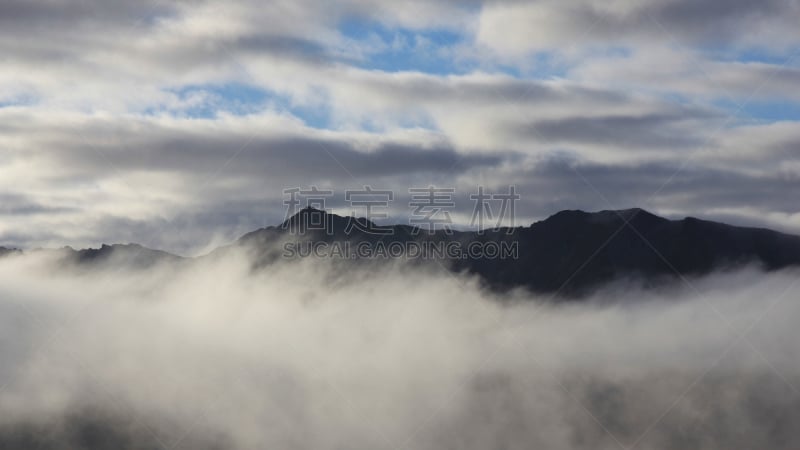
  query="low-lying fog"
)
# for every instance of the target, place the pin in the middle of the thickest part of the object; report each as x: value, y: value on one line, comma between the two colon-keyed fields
x: 213, y: 355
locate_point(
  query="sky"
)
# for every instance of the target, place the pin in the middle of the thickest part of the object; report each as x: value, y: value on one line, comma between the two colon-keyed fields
x: 179, y: 125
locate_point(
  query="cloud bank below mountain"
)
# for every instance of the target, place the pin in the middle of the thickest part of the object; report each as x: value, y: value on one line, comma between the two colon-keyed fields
x: 213, y: 355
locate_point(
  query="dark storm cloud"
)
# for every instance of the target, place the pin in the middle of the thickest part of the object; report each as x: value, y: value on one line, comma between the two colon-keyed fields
x: 284, y: 47
x: 41, y: 13
x: 647, y: 131
x: 21, y: 205
x: 284, y: 157
x: 501, y: 90
x: 715, y: 20
x: 551, y: 24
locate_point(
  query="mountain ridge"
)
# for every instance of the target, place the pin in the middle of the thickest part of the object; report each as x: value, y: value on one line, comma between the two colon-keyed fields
x: 569, y: 252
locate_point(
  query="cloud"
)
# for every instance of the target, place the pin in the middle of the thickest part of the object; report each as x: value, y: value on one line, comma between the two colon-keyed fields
x: 163, y: 181
x: 121, y: 118
x: 515, y: 28
x: 186, y: 185
x: 694, y: 74
x: 303, y: 357
x: 646, y: 132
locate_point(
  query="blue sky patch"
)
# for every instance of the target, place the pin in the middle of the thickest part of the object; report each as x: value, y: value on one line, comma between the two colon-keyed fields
x: 760, y: 110
x: 242, y: 99
x: 428, y: 51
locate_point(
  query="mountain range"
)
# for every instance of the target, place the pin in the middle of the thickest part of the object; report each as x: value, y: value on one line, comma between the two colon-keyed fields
x: 568, y: 253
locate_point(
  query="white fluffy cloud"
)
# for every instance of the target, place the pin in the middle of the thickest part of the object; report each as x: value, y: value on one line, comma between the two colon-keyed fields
x: 214, y: 355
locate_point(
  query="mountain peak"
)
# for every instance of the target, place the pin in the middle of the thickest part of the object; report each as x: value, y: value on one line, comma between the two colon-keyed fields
x: 313, y: 219
x: 608, y: 216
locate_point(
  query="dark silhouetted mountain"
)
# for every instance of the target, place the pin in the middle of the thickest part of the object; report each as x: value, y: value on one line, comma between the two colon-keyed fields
x: 8, y: 251
x: 123, y: 255
x: 567, y: 253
